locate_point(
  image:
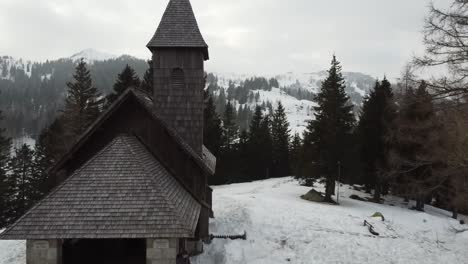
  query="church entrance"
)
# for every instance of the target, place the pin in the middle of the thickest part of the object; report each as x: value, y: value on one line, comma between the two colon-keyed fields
x: 104, y: 251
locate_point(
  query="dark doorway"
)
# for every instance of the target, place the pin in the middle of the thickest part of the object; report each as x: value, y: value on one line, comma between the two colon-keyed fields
x: 104, y: 251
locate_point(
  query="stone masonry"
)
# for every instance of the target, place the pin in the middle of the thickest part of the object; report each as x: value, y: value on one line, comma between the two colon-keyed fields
x: 161, y: 251
x: 44, y: 252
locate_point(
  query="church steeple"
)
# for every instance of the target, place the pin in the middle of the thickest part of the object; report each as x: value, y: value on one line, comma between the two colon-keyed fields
x: 179, y: 52
x: 178, y: 28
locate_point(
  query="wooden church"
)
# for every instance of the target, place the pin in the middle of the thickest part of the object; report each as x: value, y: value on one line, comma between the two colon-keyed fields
x: 133, y: 189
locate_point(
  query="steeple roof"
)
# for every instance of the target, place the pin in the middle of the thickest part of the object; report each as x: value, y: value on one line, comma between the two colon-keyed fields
x: 178, y: 28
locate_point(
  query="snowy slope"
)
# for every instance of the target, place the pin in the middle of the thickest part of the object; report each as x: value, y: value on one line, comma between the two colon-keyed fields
x: 92, y: 55
x: 298, y: 112
x: 282, y: 228
x: 356, y: 82
x: 9, y: 64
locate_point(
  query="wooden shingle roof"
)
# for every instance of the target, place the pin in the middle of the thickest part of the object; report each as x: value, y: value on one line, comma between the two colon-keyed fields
x: 122, y: 192
x: 178, y: 28
x: 147, y: 102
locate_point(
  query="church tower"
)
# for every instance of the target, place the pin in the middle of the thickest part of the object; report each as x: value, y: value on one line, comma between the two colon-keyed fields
x: 179, y: 52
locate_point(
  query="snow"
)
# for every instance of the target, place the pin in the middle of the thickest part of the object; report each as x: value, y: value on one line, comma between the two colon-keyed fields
x: 12, y: 252
x: 7, y: 63
x: 283, y: 228
x: 92, y: 55
x: 20, y: 141
x: 298, y: 112
x: 47, y: 76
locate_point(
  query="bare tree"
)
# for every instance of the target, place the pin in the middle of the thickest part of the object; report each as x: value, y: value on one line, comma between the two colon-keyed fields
x: 446, y: 42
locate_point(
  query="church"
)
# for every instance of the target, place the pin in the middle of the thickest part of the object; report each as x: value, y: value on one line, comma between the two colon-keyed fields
x: 134, y: 187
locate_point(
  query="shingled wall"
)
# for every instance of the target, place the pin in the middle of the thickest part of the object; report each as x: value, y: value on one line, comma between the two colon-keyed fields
x: 180, y: 105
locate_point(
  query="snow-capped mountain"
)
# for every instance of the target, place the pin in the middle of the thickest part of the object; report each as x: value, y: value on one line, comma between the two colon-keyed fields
x: 299, y: 110
x: 92, y: 55
x: 9, y: 67
x: 356, y: 82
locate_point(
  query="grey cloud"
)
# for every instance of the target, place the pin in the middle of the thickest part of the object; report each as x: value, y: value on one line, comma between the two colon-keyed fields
x: 246, y: 36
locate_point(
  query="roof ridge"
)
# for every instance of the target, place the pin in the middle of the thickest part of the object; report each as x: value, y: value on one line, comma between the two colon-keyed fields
x: 148, y: 172
x: 60, y: 186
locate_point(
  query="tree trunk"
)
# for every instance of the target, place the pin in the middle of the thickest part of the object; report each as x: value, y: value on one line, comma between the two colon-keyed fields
x: 377, y: 191
x: 455, y: 213
x: 420, y: 204
x: 329, y: 190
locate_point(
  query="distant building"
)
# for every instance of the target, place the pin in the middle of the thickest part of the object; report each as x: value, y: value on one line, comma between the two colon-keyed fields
x: 134, y: 187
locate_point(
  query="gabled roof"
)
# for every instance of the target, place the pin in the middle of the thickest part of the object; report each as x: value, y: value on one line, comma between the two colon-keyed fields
x: 178, y: 28
x: 147, y: 102
x: 122, y: 192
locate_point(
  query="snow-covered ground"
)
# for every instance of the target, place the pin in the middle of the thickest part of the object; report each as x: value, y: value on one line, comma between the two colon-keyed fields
x: 283, y: 228
x: 12, y: 252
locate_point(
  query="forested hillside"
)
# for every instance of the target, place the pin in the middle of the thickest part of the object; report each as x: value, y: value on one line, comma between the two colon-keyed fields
x: 32, y: 93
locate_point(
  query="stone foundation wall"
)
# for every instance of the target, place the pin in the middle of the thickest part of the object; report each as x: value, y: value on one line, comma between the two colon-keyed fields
x: 161, y: 251
x: 44, y: 252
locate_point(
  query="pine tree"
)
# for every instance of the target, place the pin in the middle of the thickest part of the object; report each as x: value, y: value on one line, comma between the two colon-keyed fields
x: 82, y: 105
x: 415, y: 148
x: 5, y: 145
x: 259, y: 146
x: 280, y: 138
x: 231, y: 130
x: 328, y: 135
x: 295, y: 154
x: 147, y: 82
x: 212, y: 130
x: 374, y: 128
x: 20, y: 181
x: 125, y: 80
x: 43, y: 160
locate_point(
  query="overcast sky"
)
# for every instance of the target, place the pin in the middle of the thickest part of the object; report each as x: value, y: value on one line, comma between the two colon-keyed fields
x: 244, y: 36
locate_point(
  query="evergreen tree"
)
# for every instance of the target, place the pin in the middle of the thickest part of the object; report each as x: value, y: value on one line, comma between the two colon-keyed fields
x: 329, y: 134
x: 415, y: 148
x: 231, y: 130
x: 280, y: 138
x: 5, y: 145
x: 147, y: 82
x: 43, y: 160
x: 82, y: 105
x: 125, y: 80
x: 20, y: 181
x: 374, y: 128
x: 295, y: 154
x: 259, y: 146
x: 212, y: 130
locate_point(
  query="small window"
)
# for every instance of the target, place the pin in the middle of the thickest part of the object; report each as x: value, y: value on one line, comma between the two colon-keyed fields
x: 178, y: 79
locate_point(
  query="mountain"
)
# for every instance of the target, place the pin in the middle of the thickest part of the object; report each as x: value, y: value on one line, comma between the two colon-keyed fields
x: 296, y: 92
x: 92, y: 55
x: 32, y: 93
